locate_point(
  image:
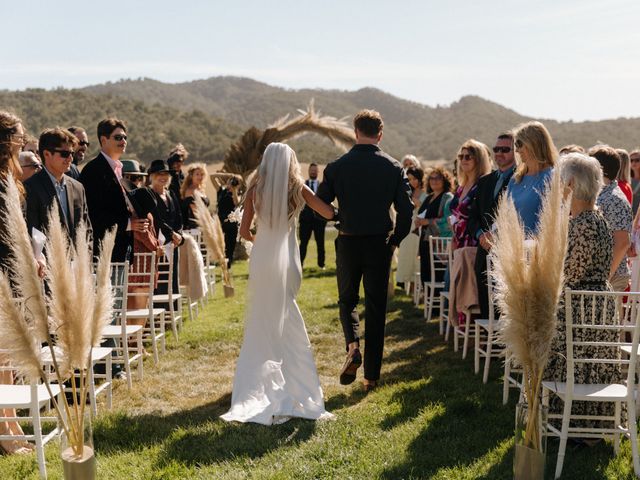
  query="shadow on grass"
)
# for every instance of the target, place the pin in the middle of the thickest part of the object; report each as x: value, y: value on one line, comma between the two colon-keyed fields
x: 198, y: 436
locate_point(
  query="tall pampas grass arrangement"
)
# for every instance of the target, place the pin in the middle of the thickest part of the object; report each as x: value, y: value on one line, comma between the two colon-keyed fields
x: 528, y: 287
x: 70, y: 319
x: 213, y: 237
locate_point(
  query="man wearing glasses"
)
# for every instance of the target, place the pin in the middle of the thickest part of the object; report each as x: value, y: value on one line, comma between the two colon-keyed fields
x: 106, y: 197
x: 81, y: 151
x: 30, y: 164
x: 483, y: 210
x: 50, y: 185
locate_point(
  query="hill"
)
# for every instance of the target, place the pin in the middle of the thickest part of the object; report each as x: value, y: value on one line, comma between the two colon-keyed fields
x: 208, y: 115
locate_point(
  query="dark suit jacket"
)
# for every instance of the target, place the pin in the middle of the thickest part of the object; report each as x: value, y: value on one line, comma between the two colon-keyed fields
x: 41, y: 194
x: 107, y: 206
x: 483, y: 208
x: 366, y: 181
x: 307, y: 215
x: 167, y: 218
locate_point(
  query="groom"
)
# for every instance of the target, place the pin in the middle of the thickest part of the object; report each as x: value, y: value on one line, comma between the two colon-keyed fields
x: 366, y: 181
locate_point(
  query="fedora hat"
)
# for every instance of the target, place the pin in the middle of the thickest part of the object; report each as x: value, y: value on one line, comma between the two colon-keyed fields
x: 158, y: 166
x: 132, y: 167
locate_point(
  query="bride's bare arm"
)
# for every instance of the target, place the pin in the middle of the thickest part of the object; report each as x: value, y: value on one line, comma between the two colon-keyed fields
x: 316, y: 204
x: 247, y: 216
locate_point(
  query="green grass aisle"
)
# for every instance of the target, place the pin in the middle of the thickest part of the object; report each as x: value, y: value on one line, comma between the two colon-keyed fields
x: 432, y: 417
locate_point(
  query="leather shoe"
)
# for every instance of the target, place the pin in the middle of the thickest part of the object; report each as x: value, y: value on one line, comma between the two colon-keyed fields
x: 350, y: 367
x: 368, y: 387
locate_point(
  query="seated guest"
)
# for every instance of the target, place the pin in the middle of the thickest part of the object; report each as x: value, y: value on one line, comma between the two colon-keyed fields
x: 431, y: 219
x: 132, y: 175
x: 624, y: 175
x: 410, y: 161
x: 587, y: 267
x: 408, y: 250
x: 31, y: 144
x: 473, y: 163
x: 537, y: 155
x: 192, y: 187
x: 30, y: 164
x: 617, y: 212
x: 483, y: 212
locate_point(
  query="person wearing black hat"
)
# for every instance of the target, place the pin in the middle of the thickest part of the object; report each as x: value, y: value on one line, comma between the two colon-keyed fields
x: 176, y: 160
x: 158, y: 200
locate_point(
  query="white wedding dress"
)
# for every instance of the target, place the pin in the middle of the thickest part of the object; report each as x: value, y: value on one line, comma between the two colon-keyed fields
x: 275, y: 376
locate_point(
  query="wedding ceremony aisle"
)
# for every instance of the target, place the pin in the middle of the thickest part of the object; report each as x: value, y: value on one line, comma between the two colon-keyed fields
x: 430, y: 418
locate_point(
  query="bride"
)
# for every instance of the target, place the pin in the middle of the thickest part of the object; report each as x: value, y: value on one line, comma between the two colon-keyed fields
x: 276, y: 376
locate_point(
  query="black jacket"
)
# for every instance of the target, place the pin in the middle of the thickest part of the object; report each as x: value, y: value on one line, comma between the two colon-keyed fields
x: 41, y: 194
x: 307, y: 215
x: 366, y: 181
x: 484, y: 206
x: 107, y: 206
x: 167, y: 218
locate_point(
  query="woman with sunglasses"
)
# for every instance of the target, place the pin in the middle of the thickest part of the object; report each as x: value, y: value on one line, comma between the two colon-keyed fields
x: 12, y: 138
x: 473, y: 162
x: 408, y: 249
x: 538, y: 156
x: 431, y: 218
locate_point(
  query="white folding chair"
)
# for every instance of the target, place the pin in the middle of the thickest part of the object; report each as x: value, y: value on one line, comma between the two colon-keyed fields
x: 142, y: 275
x: 486, y: 332
x: 209, y: 267
x: 191, y: 305
x: 417, y: 288
x: 582, y: 316
x: 439, y: 248
x: 32, y: 397
x: 510, y: 379
x: 172, y: 300
x: 128, y: 338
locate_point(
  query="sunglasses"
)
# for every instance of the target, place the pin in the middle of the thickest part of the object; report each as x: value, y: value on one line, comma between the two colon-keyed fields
x: 519, y: 144
x: 466, y: 156
x: 64, y: 153
x: 119, y: 138
x: 35, y: 166
x: 501, y: 149
x: 135, y: 178
x: 84, y: 144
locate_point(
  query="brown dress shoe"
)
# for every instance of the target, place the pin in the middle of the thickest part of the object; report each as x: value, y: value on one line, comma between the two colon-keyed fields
x: 350, y: 367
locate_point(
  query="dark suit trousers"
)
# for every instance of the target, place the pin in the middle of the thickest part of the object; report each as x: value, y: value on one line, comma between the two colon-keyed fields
x: 365, y: 258
x: 230, y: 230
x: 481, y: 278
x: 306, y: 228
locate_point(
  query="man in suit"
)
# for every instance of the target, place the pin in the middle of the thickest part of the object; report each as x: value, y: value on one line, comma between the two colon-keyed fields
x: 366, y: 181
x: 81, y: 151
x: 310, y: 222
x: 50, y: 185
x: 483, y: 210
x: 106, y: 197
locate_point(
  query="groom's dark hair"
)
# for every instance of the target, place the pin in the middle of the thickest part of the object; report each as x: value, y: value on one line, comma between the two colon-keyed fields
x: 369, y: 123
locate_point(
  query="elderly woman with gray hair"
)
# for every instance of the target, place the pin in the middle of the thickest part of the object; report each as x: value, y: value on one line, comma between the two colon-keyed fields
x: 586, y: 267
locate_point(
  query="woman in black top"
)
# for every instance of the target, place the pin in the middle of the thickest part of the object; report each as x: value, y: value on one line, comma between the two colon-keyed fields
x: 163, y: 205
x: 227, y: 203
x: 192, y: 187
x: 432, y: 221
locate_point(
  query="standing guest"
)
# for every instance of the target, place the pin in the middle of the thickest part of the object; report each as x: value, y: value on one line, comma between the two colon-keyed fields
x: 473, y: 163
x: 617, y: 212
x: 586, y: 267
x: 432, y: 219
x: 624, y: 175
x: 572, y: 148
x: 51, y: 186
x: 410, y: 161
x: 30, y: 164
x: 364, y: 246
x: 81, y: 151
x: 12, y: 139
x: 106, y: 197
x: 132, y: 175
x: 483, y: 211
x: 312, y: 223
x: 159, y: 201
x: 30, y: 144
x: 176, y: 160
x: 538, y: 155
x: 227, y: 202
x: 408, y: 263
x: 192, y: 187
x: 634, y: 161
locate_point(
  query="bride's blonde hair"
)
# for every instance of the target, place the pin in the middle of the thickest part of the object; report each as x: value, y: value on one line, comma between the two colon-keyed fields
x: 295, y: 183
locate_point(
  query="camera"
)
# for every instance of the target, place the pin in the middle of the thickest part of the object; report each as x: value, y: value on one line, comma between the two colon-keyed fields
x: 234, y: 182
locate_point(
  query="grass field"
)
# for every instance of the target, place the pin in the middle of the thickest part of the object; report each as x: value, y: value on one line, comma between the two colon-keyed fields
x: 432, y: 417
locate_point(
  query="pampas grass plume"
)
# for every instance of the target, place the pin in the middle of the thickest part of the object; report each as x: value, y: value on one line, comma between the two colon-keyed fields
x: 212, y: 235
x: 103, y: 305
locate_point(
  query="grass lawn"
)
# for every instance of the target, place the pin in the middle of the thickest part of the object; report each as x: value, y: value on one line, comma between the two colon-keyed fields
x: 432, y: 418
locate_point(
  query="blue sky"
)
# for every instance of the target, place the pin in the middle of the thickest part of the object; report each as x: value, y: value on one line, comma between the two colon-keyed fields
x: 549, y: 59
